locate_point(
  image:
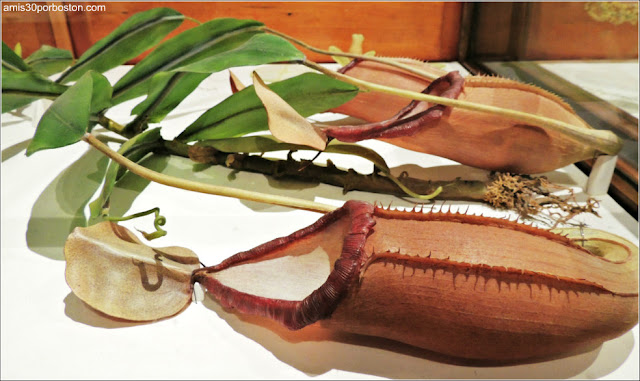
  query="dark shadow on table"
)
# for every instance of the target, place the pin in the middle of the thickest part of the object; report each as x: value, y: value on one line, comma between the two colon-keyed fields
x: 61, y: 206
x: 81, y: 312
x: 15, y: 149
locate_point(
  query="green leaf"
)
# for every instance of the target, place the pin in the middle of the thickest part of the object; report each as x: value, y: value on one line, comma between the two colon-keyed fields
x: 11, y: 61
x: 66, y: 120
x: 23, y: 87
x: 134, y: 149
x: 101, y: 93
x: 209, y: 39
x: 134, y: 36
x: 166, y: 92
x: 243, y: 112
x: 259, y: 49
x: 49, y: 60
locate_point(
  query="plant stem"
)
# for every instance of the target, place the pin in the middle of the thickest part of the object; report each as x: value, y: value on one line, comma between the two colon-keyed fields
x: 384, y: 60
x: 348, y: 180
x: 109, y: 124
x: 528, y: 196
x: 604, y: 140
x: 195, y: 186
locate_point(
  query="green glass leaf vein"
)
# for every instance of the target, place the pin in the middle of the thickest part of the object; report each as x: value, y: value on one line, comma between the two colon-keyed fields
x: 166, y: 92
x: 49, y: 60
x: 67, y: 119
x: 23, y: 87
x: 206, y: 40
x: 168, y: 89
x: 134, y: 36
x: 259, y: 49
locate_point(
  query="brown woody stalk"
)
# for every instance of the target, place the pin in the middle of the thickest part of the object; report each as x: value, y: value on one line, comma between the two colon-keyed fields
x: 528, y: 196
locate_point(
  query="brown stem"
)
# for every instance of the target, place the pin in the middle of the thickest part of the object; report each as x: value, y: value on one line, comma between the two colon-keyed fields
x: 306, y: 170
x: 528, y: 196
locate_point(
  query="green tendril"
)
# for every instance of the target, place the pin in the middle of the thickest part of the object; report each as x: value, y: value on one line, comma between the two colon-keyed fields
x: 157, y: 222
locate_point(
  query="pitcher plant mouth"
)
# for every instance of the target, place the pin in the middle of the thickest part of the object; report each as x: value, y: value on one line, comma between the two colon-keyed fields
x: 349, y: 227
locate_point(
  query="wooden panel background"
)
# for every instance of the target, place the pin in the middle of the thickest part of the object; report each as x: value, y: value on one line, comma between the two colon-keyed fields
x: 424, y: 30
x: 34, y: 29
x: 554, y: 30
x: 570, y: 31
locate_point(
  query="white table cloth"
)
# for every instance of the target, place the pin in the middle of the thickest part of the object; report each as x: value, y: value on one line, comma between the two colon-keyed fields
x: 48, y: 333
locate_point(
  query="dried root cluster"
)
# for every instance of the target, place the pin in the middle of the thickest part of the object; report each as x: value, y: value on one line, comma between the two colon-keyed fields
x: 531, y: 197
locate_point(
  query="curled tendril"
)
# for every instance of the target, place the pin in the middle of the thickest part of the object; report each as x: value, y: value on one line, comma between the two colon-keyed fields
x: 157, y: 222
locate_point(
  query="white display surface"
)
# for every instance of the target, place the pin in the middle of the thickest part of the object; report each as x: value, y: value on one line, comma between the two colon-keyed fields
x: 48, y: 333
